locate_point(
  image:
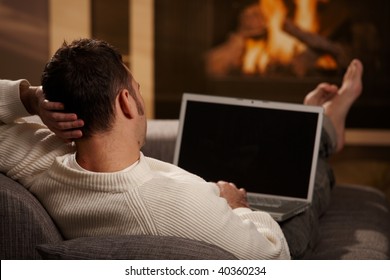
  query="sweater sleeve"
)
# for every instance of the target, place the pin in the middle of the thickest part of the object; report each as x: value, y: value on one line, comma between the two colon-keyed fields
x: 194, y: 210
x: 26, y: 149
x: 11, y: 107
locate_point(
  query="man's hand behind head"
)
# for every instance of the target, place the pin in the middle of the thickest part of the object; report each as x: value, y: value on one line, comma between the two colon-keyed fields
x: 65, y: 125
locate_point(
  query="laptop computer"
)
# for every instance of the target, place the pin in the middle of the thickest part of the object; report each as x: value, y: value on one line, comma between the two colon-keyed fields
x: 268, y: 148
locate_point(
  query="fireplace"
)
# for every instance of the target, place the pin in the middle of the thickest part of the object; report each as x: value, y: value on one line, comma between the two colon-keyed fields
x: 323, y: 36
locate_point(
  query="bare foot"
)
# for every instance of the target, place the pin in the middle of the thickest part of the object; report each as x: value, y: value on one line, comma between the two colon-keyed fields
x: 337, y: 109
x: 337, y: 102
x: 321, y: 94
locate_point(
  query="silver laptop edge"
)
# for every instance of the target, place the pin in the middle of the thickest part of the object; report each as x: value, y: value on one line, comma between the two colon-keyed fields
x: 263, y: 104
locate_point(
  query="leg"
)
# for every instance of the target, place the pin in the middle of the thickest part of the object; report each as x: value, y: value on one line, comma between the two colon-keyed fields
x: 301, y: 231
x: 337, y: 102
x: 338, y: 108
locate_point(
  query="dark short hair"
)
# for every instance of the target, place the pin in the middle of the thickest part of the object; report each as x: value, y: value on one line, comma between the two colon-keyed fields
x: 86, y: 77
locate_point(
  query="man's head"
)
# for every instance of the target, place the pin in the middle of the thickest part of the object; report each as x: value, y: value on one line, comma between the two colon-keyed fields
x: 86, y: 76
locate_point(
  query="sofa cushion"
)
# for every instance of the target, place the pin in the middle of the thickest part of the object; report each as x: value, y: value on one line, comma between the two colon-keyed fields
x: 23, y: 222
x: 133, y: 247
x: 355, y: 226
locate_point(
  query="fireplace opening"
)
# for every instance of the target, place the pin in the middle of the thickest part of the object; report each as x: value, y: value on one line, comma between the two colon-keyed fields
x: 273, y: 50
x: 272, y: 38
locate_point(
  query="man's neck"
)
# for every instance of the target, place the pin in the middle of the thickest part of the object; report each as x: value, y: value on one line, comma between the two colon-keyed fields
x: 105, y: 154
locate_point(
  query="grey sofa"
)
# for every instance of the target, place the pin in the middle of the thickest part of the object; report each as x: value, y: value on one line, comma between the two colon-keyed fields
x: 355, y: 226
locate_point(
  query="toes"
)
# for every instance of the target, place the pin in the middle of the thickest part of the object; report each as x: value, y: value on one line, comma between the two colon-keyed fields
x: 321, y: 94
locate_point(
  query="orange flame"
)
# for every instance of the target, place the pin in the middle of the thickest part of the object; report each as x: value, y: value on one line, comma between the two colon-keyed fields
x: 279, y: 47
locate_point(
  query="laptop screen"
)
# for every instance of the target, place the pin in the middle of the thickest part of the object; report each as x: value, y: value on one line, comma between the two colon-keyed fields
x: 260, y: 148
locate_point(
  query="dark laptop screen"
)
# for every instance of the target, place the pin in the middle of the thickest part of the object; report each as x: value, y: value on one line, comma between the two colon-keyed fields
x: 263, y: 150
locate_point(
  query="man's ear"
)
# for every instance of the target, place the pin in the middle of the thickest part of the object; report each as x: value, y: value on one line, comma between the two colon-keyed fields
x: 126, y: 104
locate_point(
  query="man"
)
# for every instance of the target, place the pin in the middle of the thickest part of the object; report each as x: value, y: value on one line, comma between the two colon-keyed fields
x: 102, y: 184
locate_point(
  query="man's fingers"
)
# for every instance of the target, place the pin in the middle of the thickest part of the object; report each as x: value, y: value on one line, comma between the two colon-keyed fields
x: 63, y: 117
x: 235, y: 197
x: 52, y: 111
x: 52, y: 106
x: 69, y: 135
x: 72, y: 134
x: 67, y: 125
x: 243, y: 191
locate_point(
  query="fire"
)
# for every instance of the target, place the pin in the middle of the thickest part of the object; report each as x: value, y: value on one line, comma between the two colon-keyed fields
x: 256, y: 57
x: 306, y: 15
x: 279, y: 47
x: 306, y: 18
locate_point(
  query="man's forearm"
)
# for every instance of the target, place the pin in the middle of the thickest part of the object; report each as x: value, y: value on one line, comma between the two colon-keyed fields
x: 30, y: 97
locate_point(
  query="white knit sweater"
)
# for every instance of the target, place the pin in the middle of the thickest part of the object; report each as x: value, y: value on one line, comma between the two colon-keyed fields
x: 153, y: 198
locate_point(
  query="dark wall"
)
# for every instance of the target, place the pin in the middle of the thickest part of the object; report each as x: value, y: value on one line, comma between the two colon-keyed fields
x: 24, y: 39
x: 182, y: 35
x: 110, y: 22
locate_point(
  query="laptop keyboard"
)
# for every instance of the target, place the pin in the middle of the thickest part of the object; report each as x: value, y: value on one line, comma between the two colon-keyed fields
x: 265, y: 201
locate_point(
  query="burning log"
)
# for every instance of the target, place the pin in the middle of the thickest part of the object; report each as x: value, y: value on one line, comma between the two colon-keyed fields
x: 319, y: 44
x: 225, y: 58
x: 267, y: 42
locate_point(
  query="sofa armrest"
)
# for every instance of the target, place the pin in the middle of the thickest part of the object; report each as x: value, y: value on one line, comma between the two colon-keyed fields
x: 161, y: 139
x: 23, y: 222
x: 133, y: 247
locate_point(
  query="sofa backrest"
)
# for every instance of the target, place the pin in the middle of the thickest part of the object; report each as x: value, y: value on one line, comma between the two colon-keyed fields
x: 161, y: 139
x: 24, y: 222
